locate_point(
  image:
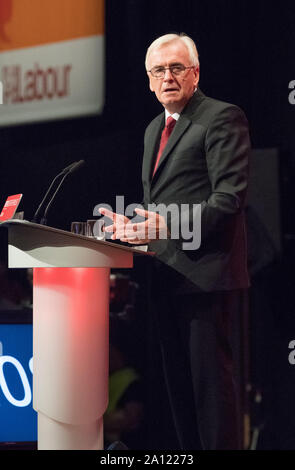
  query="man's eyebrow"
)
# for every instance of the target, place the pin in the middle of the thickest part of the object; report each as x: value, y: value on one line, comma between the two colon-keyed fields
x: 170, y: 65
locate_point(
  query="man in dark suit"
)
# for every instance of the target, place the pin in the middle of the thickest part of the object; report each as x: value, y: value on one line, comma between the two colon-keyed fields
x: 195, y: 159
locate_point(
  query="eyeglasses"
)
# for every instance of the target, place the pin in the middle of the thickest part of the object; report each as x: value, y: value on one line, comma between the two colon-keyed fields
x: 176, y: 70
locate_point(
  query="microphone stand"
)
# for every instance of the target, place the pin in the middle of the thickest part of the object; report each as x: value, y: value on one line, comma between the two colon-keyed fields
x: 64, y: 171
x: 43, y: 220
x: 73, y: 168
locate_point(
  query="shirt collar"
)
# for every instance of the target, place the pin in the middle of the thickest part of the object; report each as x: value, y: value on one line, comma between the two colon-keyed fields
x: 174, y: 115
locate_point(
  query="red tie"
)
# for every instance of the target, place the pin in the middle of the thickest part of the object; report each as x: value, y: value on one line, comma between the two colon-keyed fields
x: 170, y: 123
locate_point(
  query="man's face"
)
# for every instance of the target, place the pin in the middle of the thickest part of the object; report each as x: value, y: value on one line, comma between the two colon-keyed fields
x: 173, y: 91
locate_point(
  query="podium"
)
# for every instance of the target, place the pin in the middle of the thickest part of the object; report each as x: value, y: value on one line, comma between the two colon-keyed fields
x: 70, y: 329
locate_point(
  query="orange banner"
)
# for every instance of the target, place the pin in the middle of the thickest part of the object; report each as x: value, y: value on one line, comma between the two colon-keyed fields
x: 28, y: 23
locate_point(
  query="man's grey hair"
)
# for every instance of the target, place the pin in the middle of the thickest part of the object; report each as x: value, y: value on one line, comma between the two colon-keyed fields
x: 191, y: 46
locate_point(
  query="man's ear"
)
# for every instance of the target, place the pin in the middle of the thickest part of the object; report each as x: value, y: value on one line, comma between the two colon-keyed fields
x: 197, y: 75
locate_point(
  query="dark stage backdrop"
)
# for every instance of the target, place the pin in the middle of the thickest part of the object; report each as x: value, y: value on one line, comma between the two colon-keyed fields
x: 247, y: 54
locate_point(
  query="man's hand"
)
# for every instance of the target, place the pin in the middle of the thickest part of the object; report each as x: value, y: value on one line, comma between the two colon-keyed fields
x: 153, y: 228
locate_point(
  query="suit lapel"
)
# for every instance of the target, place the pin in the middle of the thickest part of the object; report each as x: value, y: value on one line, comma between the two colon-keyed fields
x: 151, y: 149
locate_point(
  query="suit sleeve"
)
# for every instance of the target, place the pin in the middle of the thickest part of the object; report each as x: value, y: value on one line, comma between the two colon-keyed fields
x: 227, y: 148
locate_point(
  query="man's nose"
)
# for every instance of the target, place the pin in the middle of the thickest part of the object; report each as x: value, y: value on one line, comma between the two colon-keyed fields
x: 168, y: 75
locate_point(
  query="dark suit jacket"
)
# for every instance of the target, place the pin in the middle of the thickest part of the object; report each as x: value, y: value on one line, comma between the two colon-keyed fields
x: 204, y: 162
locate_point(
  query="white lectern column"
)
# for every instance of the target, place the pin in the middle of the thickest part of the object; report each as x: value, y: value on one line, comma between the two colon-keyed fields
x: 70, y: 350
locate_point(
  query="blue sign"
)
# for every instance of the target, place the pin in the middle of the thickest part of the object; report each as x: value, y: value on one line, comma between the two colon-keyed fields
x: 18, y: 420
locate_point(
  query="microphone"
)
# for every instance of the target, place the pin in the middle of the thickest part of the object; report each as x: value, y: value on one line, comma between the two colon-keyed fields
x: 63, y: 172
x: 75, y: 166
